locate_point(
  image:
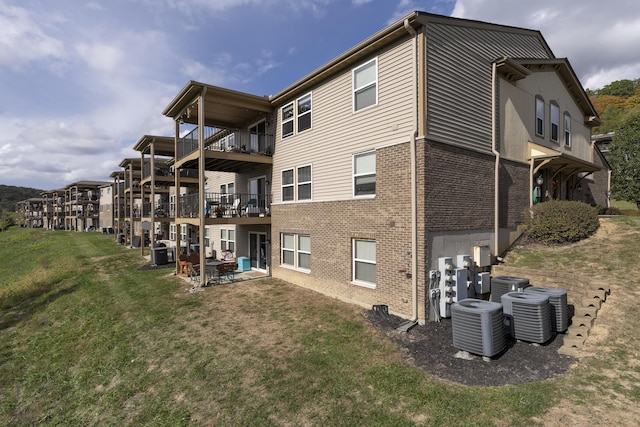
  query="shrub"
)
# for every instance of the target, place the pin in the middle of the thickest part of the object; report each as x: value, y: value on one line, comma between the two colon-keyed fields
x: 560, y: 222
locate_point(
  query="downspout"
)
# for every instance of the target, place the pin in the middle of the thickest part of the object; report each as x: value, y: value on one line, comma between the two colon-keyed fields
x: 414, y: 190
x: 496, y: 172
x: 201, y: 195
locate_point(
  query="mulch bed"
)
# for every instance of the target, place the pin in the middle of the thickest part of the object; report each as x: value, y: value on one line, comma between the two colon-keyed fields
x: 430, y: 347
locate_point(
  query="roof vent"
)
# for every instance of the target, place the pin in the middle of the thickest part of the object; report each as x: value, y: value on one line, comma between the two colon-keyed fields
x: 527, y: 316
x: 500, y: 285
x: 559, y: 307
x: 477, y: 327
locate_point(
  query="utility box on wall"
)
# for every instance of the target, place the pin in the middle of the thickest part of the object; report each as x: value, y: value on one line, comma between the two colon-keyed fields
x: 482, y: 256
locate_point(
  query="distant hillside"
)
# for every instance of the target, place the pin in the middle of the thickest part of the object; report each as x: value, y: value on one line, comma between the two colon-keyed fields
x: 9, y: 195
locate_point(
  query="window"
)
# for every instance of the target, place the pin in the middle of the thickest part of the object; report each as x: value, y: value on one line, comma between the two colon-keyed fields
x: 228, y: 240
x: 365, y: 85
x: 172, y: 232
x: 567, y: 130
x: 364, y: 262
x: 287, y: 120
x: 295, y: 251
x: 304, y: 252
x: 364, y: 174
x: 304, y: 183
x: 172, y: 208
x: 287, y: 185
x: 207, y: 237
x: 539, y: 116
x: 223, y: 194
x: 555, y: 121
x: 304, y: 113
x: 183, y: 232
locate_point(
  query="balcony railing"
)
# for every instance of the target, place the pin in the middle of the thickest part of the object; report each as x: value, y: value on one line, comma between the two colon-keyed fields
x: 227, y: 140
x: 225, y: 205
x: 163, y: 171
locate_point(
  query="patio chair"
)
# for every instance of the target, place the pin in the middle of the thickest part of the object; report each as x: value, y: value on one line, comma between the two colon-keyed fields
x: 235, y: 209
x: 194, y: 272
x: 227, y: 270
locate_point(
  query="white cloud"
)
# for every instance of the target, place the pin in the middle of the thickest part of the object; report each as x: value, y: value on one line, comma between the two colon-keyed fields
x: 599, y: 40
x: 22, y: 40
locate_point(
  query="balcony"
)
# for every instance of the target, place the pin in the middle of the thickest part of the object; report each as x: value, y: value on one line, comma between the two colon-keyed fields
x: 222, y: 205
x: 227, y: 150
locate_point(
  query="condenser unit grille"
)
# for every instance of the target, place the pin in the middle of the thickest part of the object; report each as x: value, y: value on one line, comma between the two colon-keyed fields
x: 477, y: 327
x: 528, y: 315
x: 500, y: 285
x: 559, y: 306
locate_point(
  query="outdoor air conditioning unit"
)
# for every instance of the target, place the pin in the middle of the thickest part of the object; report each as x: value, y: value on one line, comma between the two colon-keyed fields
x: 478, y: 327
x: 500, y: 285
x: 559, y: 307
x: 527, y: 316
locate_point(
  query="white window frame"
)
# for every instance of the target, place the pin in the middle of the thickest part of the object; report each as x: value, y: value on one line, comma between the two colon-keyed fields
x: 355, y: 261
x: 539, y: 110
x: 298, y: 182
x: 183, y: 232
x: 292, y: 185
x: 365, y: 85
x: 295, y: 252
x: 554, y: 122
x: 287, y: 120
x: 362, y: 174
x: 172, y: 232
x: 207, y: 237
x: 228, y: 239
x: 567, y: 130
x: 300, y: 114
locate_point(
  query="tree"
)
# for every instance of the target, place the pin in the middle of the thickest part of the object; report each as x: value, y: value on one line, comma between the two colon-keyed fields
x: 625, y: 160
x: 622, y: 88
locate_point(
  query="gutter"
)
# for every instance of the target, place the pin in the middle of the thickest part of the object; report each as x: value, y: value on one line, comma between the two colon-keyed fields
x: 414, y: 190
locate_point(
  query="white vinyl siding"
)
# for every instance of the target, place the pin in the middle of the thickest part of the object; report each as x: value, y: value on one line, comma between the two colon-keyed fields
x: 338, y: 133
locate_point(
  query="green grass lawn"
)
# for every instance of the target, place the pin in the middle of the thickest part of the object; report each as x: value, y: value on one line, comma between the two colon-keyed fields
x: 86, y: 338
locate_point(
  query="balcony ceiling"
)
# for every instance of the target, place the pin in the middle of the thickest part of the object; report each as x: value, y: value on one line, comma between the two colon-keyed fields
x: 162, y: 145
x: 224, y: 108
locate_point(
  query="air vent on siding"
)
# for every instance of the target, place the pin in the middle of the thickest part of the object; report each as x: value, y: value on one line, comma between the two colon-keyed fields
x: 527, y: 316
x: 500, y: 285
x: 478, y: 326
x: 559, y: 307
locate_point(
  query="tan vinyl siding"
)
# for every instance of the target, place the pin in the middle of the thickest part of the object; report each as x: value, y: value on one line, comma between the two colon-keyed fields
x: 337, y: 132
x: 517, y: 110
x: 459, y: 79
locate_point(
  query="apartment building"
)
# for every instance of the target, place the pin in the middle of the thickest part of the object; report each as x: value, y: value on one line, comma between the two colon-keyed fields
x: 429, y: 139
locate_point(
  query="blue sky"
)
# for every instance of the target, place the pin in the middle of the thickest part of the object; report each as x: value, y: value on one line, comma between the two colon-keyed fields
x: 81, y: 81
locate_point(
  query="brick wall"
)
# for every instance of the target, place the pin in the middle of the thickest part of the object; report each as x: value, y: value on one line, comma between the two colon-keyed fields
x: 458, y: 188
x: 514, y: 193
x: 333, y: 225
